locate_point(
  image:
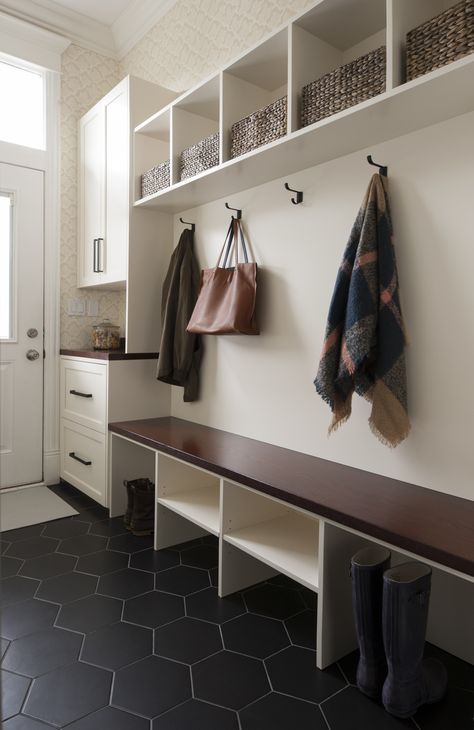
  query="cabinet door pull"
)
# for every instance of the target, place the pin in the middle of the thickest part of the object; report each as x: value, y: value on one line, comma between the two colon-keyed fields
x: 83, y: 395
x: 86, y: 462
x: 100, y: 255
x: 95, y: 256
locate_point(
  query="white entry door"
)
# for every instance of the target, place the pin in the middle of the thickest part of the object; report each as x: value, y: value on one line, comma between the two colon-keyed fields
x: 21, y: 325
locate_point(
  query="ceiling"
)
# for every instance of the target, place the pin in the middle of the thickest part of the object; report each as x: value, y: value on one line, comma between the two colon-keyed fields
x: 110, y: 27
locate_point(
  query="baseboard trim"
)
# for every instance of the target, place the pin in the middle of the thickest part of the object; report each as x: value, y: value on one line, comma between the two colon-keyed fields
x: 51, y: 467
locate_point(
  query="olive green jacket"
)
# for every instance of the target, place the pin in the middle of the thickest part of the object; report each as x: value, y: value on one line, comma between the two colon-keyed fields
x: 180, y: 351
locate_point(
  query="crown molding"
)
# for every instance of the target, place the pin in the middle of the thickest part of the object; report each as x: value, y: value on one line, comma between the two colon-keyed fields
x: 135, y: 22
x: 112, y: 41
x: 52, y: 17
x: 31, y: 43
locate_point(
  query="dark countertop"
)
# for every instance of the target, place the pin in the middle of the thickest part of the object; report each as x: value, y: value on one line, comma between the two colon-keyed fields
x: 430, y: 524
x: 110, y: 354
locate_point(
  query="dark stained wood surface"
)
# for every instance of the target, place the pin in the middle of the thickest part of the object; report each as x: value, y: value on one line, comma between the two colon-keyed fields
x: 429, y: 523
x: 110, y: 354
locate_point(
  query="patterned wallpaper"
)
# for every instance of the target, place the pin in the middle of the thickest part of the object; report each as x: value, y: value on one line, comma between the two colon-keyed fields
x: 86, y: 77
x: 192, y: 40
x: 197, y: 37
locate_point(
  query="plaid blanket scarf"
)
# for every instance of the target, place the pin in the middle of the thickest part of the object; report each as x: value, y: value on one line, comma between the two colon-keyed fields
x: 364, y: 345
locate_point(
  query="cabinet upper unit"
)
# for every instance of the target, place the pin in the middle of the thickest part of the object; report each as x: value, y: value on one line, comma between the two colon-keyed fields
x: 330, y: 82
x: 105, y: 141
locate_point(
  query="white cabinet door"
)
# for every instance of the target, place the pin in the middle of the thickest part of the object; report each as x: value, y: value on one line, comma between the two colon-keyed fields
x: 104, y: 191
x: 117, y: 167
x: 91, y: 197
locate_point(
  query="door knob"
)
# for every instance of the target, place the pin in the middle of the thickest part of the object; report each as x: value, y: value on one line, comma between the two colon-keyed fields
x: 32, y: 354
x: 32, y: 332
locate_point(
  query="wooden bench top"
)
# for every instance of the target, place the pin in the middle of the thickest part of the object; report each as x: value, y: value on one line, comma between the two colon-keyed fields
x: 430, y: 524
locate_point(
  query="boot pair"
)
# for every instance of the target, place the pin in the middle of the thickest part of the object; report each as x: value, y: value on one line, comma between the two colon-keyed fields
x: 139, y: 517
x: 391, y: 613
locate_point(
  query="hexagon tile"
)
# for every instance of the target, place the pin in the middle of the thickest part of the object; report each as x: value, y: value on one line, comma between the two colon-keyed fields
x: 100, y: 631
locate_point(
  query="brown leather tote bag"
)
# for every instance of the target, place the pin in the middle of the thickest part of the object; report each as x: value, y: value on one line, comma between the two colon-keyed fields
x: 226, y: 301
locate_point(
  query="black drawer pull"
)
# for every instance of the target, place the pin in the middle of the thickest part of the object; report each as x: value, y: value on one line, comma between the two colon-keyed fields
x: 83, y: 395
x: 78, y: 458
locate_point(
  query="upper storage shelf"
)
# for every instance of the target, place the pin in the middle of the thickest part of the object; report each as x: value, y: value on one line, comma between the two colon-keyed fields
x: 330, y: 35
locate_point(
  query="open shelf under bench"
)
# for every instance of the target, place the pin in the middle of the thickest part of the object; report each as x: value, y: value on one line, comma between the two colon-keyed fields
x: 289, y: 544
x: 198, y: 506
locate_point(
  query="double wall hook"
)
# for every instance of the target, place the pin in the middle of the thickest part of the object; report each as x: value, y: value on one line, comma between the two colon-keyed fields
x: 193, y: 225
x: 238, y: 212
x: 299, y: 195
x: 383, y: 168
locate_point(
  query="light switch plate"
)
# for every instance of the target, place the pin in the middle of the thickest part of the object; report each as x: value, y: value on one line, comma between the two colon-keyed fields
x: 92, y: 308
x: 76, y: 307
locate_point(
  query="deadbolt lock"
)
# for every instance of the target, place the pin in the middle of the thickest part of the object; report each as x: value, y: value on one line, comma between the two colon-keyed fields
x: 32, y: 332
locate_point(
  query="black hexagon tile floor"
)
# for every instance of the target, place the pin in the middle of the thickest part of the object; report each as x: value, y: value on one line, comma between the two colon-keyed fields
x: 115, y: 646
x: 42, y: 652
x: 68, y: 693
x: 100, y: 632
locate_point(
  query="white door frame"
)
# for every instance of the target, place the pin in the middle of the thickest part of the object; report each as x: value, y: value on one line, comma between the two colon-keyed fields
x: 35, y: 45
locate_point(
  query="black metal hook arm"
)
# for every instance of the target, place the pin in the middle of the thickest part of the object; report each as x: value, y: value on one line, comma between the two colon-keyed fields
x: 383, y: 168
x: 193, y: 225
x: 238, y: 212
x: 299, y: 195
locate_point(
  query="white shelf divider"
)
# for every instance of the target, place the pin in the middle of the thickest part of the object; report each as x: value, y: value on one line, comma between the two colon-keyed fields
x: 200, y: 506
x: 288, y: 544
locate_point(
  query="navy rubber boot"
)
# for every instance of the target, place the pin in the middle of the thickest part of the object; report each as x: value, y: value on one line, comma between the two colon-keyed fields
x: 411, y: 680
x: 367, y: 569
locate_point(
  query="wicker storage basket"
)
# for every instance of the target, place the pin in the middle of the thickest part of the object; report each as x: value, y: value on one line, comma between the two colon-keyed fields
x: 156, y: 179
x: 199, y: 156
x: 344, y: 87
x: 445, y: 38
x: 264, y: 125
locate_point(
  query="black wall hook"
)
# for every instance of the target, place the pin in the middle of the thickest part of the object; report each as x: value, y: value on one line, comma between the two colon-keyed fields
x: 299, y: 195
x: 193, y: 225
x: 238, y: 212
x: 383, y: 168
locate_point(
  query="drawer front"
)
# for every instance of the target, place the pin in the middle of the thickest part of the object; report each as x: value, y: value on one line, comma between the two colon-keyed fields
x: 84, y: 393
x: 83, y: 460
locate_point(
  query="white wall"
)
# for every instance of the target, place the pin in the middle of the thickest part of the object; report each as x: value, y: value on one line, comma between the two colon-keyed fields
x: 262, y: 387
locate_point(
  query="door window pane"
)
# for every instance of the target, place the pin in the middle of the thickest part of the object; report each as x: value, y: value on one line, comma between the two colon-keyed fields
x: 6, y: 268
x: 22, y: 116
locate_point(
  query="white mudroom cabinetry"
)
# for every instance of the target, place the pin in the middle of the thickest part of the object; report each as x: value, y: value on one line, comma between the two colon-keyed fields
x: 118, y: 249
x: 93, y: 391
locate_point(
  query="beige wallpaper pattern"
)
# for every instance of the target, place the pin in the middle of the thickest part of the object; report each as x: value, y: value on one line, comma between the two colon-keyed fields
x: 86, y: 77
x: 197, y: 37
x: 190, y: 42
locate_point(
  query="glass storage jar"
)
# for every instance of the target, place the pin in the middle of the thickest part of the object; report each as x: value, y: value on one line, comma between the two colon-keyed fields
x: 106, y: 336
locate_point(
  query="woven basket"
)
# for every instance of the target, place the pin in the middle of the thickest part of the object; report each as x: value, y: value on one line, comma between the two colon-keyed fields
x: 445, y: 38
x: 156, y: 179
x: 200, y: 156
x: 344, y: 87
x: 259, y: 128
